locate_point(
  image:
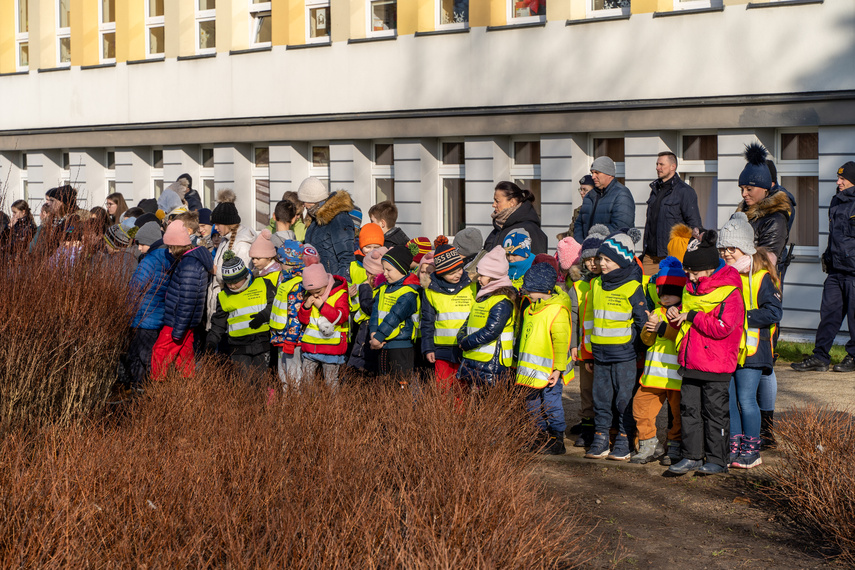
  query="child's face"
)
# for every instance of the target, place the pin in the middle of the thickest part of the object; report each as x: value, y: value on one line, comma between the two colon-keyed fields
x: 261, y: 262
x: 593, y: 265
x: 483, y: 280
x: 368, y: 248
x: 205, y: 229
x: 391, y: 273
x: 425, y: 269
x: 143, y: 248
x: 669, y: 300
x: 454, y: 276
x: 606, y: 264
x: 381, y: 223
x: 695, y: 276
x: 539, y: 296
x: 236, y: 286
x: 512, y: 257
x: 315, y: 292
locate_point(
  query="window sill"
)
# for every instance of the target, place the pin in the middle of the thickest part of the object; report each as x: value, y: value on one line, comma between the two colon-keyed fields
x: 52, y: 69
x: 442, y: 32
x: 98, y: 66
x: 250, y: 50
x: 369, y: 40
x: 148, y: 60
x: 15, y: 73
x: 689, y: 11
x: 516, y: 26
x: 197, y: 56
x: 752, y: 5
x: 595, y: 20
x: 311, y: 45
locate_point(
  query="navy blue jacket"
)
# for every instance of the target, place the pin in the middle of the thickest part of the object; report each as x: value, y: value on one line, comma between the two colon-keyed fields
x: 768, y: 313
x: 480, y: 373
x: 194, y: 201
x: 332, y: 233
x: 428, y: 317
x: 150, y: 280
x: 614, y: 353
x: 677, y: 205
x: 402, y: 311
x: 839, y: 256
x: 185, y: 294
x: 613, y: 207
x: 524, y: 218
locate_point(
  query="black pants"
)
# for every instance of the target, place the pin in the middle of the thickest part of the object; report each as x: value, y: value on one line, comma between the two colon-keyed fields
x: 837, y: 302
x: 396, y: 362
x: 705, y: 411
x: 138, y: 358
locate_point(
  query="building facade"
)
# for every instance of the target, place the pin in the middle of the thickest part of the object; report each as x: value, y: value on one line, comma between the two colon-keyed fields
x: 431, y: 102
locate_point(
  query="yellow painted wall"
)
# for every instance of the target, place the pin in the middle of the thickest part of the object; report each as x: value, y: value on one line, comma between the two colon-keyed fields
x: 279, y: 12
x: 427, y: 15
x: 7, y: 36
x: 45, y: 35
x: 357, y: 18
x: 183, y: 24
x: 488, y: 13
x: 130, y: 30
x: 85, y: 44
x: 408, y: 17
x: 296, y: 21
x: 650, y: 6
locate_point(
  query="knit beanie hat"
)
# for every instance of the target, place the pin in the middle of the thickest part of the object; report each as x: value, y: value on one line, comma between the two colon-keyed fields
x: 605, y: 165
x: 226, y: 212
x: 315, y: 277
x: 234, y: 269
x: 119, y: 236
x: 596, y: 235
x: 679, y: 240
x: 262, y: 247
x: 290, y: 252
x: 494, y: 264
x: 149, y: 233
x: 423, y: 246
x: 310, y: 255
x: 175, y: 234
x: 619, y: 248
x: 371, y: 234
x: 447, y: 258
x: 847, y: 171
x: 569, y: 251
x: 468, y: 241
x: 169, y: 201
x: 756, y: 173
x: 738, y: 233
x: 542, y: 258
x: 586, y: 180
x: 428, y: 259
x: 140, y: 221
x: 204, y: 216
x: 312, y: 190
x: 541, y: 278
x: 702, y: 254
x: 65, y: 194
x: 148, y: 205
x: 518, y: 242
x: 356, y: 216
x: 372, y: 262
x: 400, y: 257
x: 671, y: 278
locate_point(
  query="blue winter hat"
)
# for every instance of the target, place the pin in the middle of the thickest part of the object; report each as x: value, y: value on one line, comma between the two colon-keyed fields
x: 356, y: 216
x: 204, y: 216
x: 518, y: 242
x: 619, y: 248
x: 290, y: 252
x: 671, y: 272
x: 756, y: 172
x: 541, y: 278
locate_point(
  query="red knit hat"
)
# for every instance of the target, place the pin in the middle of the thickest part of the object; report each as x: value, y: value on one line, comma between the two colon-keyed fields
x: 424, y: 245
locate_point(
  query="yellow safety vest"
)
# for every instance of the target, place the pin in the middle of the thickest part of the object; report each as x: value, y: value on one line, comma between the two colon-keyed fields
x: 387, y: 301
x: 612, y: 313
x: 583, y: 289
x: 536, y: 360
x: 660, y: 363
x: 358, y: 275
x: 478, y: 320
x: 279, y: 314
x: 313, y: 335
x: 706, y: 304
x: 652, y: 291
x: 451, y: 313
x: 750, y: 292
x: 243, y: 306
x: 273, y: 276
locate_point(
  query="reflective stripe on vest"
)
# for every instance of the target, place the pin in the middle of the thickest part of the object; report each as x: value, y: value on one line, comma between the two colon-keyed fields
x: 536, y: 359
x: 503, y: 347
x: 612, y: 313
x: 279, y: 314
x: 387, y: 300
x: 313, y: 335
x: 660, y: 363
x: 242, y: 306
x: 451, y: 313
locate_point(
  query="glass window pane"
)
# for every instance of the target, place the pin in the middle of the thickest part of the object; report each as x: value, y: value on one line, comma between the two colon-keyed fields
x: 65, y: 50
x: 23, y: 16
x: 155, y: 40
x: 453, y: 11
x: 157, y: 158
x: 108, y: 11
x: 109, y: 45
x: 527, y: 8
x: 534, y: 186
x: 384, y: 154
x: 384, y: 189
x: 609, y: 4
x: 806, y: 228
x: 612, y: 148
x: 453, y: 153
x: 799, y: 146
x: 111, y: 187
x: 384, y: 15
x: 208, y: 192
x: 320, y: 156
x: 527, y: 152
x: 111, y: 160
x: 207, y: 4
x: 207, y: 158
x: 319, y: 22
x: 453, y: 205
x: 706, y: 187
x: 158, y: 188
x: 700, y: 147
x: 23, y: 54
x: 24, y: 160
x: 262, y: 204
x: 262, y: 156
x: 207, y: 34
x: 263, y: 29
x: 64, y: 13
x: 155, y: 8
x: 65, y: 161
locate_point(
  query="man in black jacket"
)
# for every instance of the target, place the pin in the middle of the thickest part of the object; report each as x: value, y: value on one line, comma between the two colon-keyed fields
x: 838, y: 291
x: 671, y: 202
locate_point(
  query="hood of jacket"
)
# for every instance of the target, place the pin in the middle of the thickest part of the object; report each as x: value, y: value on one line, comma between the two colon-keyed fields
x: 559, y: 297
x: 440, y: 285
x: 771, y: 204
x: 525, y: 213
x: 723, y: 276
x: 409, y: 279
x: 338, y: 202
x: 203, y: 256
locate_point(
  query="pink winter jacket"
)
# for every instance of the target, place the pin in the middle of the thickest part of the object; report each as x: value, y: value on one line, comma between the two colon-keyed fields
x: 710, y: 349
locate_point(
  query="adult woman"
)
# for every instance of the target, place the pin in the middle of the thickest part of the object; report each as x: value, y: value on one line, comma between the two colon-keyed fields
x: 115, y: 206
x: 22, y: 226
x: 99, y: 220
x: 513, y: 209
x: 331, y: 227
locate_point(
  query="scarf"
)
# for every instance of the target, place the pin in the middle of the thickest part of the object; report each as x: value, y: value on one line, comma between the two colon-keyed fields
x: 493, y: 286
x: 743, y: 264
x: 501, y: 218
x: 518, y: 268
x: 620, y: 276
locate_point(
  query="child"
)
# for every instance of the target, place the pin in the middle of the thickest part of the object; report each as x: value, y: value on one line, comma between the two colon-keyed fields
x: 362, y: 358
x: 184, y: 302
x: 487, y: 340
x: 448, y: 299
x: 23, y: 226
x: 118, y: 239
x: 243, y: 309
x: 325, y: 314
x: 284, y: 216
x: 711, y: 321
x: 661, y: 380
x: 385, y: 214
x: 263, y: 256
x: 617, y: 309
x: 370, y: 238
x: 422, y: 247
x: 285, y: 326
x: 394, y: 317
x: 517, y: 246
x: 544, y: 347
x: 763, y: 313
x: 299, y: 226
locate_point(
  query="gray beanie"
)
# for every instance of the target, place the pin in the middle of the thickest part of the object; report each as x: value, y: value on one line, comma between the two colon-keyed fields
x: 149, y: 233
x: 596, y: 236
x: 312, y: 190
x: 469, y: 241
x: 738, y: 233
x: 605, y: 165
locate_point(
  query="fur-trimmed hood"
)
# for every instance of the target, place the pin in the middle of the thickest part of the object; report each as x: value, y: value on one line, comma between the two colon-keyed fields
x: 575, y: 272
x: 338, y: 202
x: 771, y: 204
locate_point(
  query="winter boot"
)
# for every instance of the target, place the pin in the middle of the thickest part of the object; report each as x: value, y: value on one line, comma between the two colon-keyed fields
x: 620, y: 452
x: 685, y: 465
x: 749, y: 454
x: 587, y: 434
x: 555, y: 445
x: 767, y: 433
x: 711, y: 469
x: 577, y: 429
x: 646, y: 451
x: 735, y: 442
x: 659, y: 450
x: 599, y: 447
x: 672, y: 453
x: 541, y: 440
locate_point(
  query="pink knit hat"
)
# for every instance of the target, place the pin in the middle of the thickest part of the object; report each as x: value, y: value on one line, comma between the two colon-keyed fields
x: 569, y: 251
x: 315, y: 277
x: 262, y: 247
x: 494, y: 264
x: 372, y: 262
x: 427, y: 260
x: 176, y: 234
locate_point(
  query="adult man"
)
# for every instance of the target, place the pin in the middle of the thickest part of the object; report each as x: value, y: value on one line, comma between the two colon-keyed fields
x: 671, y: 202
x: 586, y: 184
x: 610, y: 203
x: 838, y: 291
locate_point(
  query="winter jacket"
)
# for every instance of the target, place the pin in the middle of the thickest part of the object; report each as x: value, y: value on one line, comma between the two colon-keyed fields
x: 251, y: 344
x: 20, y: 235
x: 428, y: 317
x: 243, y: 241
x: 792, y: 217
x: 613, y: 353
x: 335, y: 314
x: 150, y: 282
x: 331, y: 232
x: 709, y: 350
x: 770, y: 217
x: 194, y: 202
x: 525, y: 218
x: 288, y: 338
x: 768, y: 312
x: 402, y: 312
x: 670, y: 203
x: 184, y: 303
x: 839, y: 256
x: 395, y: 236
x: 481, y: 373
x: 614, y: 207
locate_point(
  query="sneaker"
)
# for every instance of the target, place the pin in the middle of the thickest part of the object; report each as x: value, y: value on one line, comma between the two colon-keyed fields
x: 735, y: 442
x: 646, y: 451
x: 749, y: 454
x: 620, y: 452
x: 810, y: 364
x: 711, y: 469
x: 599, y: 447
x: 846, y: 365
x: 673, y: 453
x: 686, y: 465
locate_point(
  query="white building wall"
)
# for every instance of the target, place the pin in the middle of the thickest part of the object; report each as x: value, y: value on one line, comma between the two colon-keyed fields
x: 557, y: 185
x: 487, y: 163
x: 408, y: 182
x: 233, y: 170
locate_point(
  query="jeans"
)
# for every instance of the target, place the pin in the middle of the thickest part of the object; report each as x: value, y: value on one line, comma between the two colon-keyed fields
x: 744, y: 411
x: 767, y: 392
x: 546, y: 407
x: 613, y: 384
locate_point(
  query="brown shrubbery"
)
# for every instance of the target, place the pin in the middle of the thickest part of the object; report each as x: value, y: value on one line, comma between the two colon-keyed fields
x: 815, y: 479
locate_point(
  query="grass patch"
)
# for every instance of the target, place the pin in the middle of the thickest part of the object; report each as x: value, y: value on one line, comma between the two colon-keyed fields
x: 797, y: 351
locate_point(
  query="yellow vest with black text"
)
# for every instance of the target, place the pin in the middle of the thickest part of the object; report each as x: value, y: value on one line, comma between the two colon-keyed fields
x: 612, y: 313
x: 478, y: 320
x: 451, y: 313
x: 243, y: 306
x: 660, y: 363
x: 279, y: 314
x: 387, y: 300
x: 536, y: 361
x: 706, y: 304
x: 312, y: 333
x: 750, y: 292
x: 273, y: 276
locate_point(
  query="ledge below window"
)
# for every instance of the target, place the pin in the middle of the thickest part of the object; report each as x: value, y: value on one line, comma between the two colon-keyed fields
x: 15, y: 73
x: 98, y: 66
x: 687, y: 12
x: 516, y: 26
x: 369, y: 40
x: 149, y: 60
x: 442, y: 32
x: 595, y: 20
x: 752, y: 5
x: 197, y: 56
x: 250, y: 50
x: 52, y: 69
x: 307, y: 46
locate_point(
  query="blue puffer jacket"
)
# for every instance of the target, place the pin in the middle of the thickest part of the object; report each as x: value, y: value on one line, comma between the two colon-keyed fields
x: 185, y: 294
x: 613, y: 207
x: 486, y: 373
x: 150, y: 280
x: 402, y: 311
x: 332, y: 233
x: 839, y: 256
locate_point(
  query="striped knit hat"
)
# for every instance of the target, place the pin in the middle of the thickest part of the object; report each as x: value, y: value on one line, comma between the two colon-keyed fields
x: 619, y: 248
x: 447, y: 258
x: 424, y: 246
x: 234, y: 269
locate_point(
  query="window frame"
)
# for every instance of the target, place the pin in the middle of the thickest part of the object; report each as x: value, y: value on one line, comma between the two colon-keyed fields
x: 381, y: 171
x: 450, y: 26
x: 320, y: 172
x: 449, y: 172
x: 152, y: 22
x: 259, y: 173
x: 23, y: 177
x: 591, y: 12
x: 21, y: 38
x: 513, y: 20
x: 369, y: 19
x: 312, y: 5
x: 62, y: 34
x: 525, y: 171
x: 799, y: 168
x: 681, y: 5
x: 155, y: 174
x: 257, y: 13
x: 204, y: 16
x: 105, y: 28
x: 109, y: 173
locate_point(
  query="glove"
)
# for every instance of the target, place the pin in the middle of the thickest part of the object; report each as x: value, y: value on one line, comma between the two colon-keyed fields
x: 327, y: 328
x: 258, y: 320
x: 464, y: 343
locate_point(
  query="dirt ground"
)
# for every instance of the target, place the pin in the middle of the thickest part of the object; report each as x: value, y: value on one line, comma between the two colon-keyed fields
x: 652, y: 520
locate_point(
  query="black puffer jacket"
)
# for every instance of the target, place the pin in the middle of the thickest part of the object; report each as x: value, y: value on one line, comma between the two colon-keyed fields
x: 839, y: 256
x: 331, y: 232
x: 185, y: 293
x: 524, y: 218
x: 678, y: 205
x: 769, y: 217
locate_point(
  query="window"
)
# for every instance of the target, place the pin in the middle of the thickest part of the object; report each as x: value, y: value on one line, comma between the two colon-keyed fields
x: 206, y: 26
x: 798, y: 172
x: 107, y: 30
x: 317, y: 21
x: 207, y: 157
x: 110, y: 171
x: 154, y: 27
x: 320, y: 165
x: 698, y: 167
x: 700, y: 147
x: 383, y: 172
x: 25, y: 186
x: 522, y: 11
x: 605, y: 8
x: 525, y: 168
x: 452, y: 14
x: 22, y: 35
x: 65, y: 161
x: 63, y: 32
x: 261, y: 181
x: 452, y: 173
x: 261, y: 32
x: 382, y: 17
x: 157, y: 172
x: 613, y: 148
x: 206, y: 178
